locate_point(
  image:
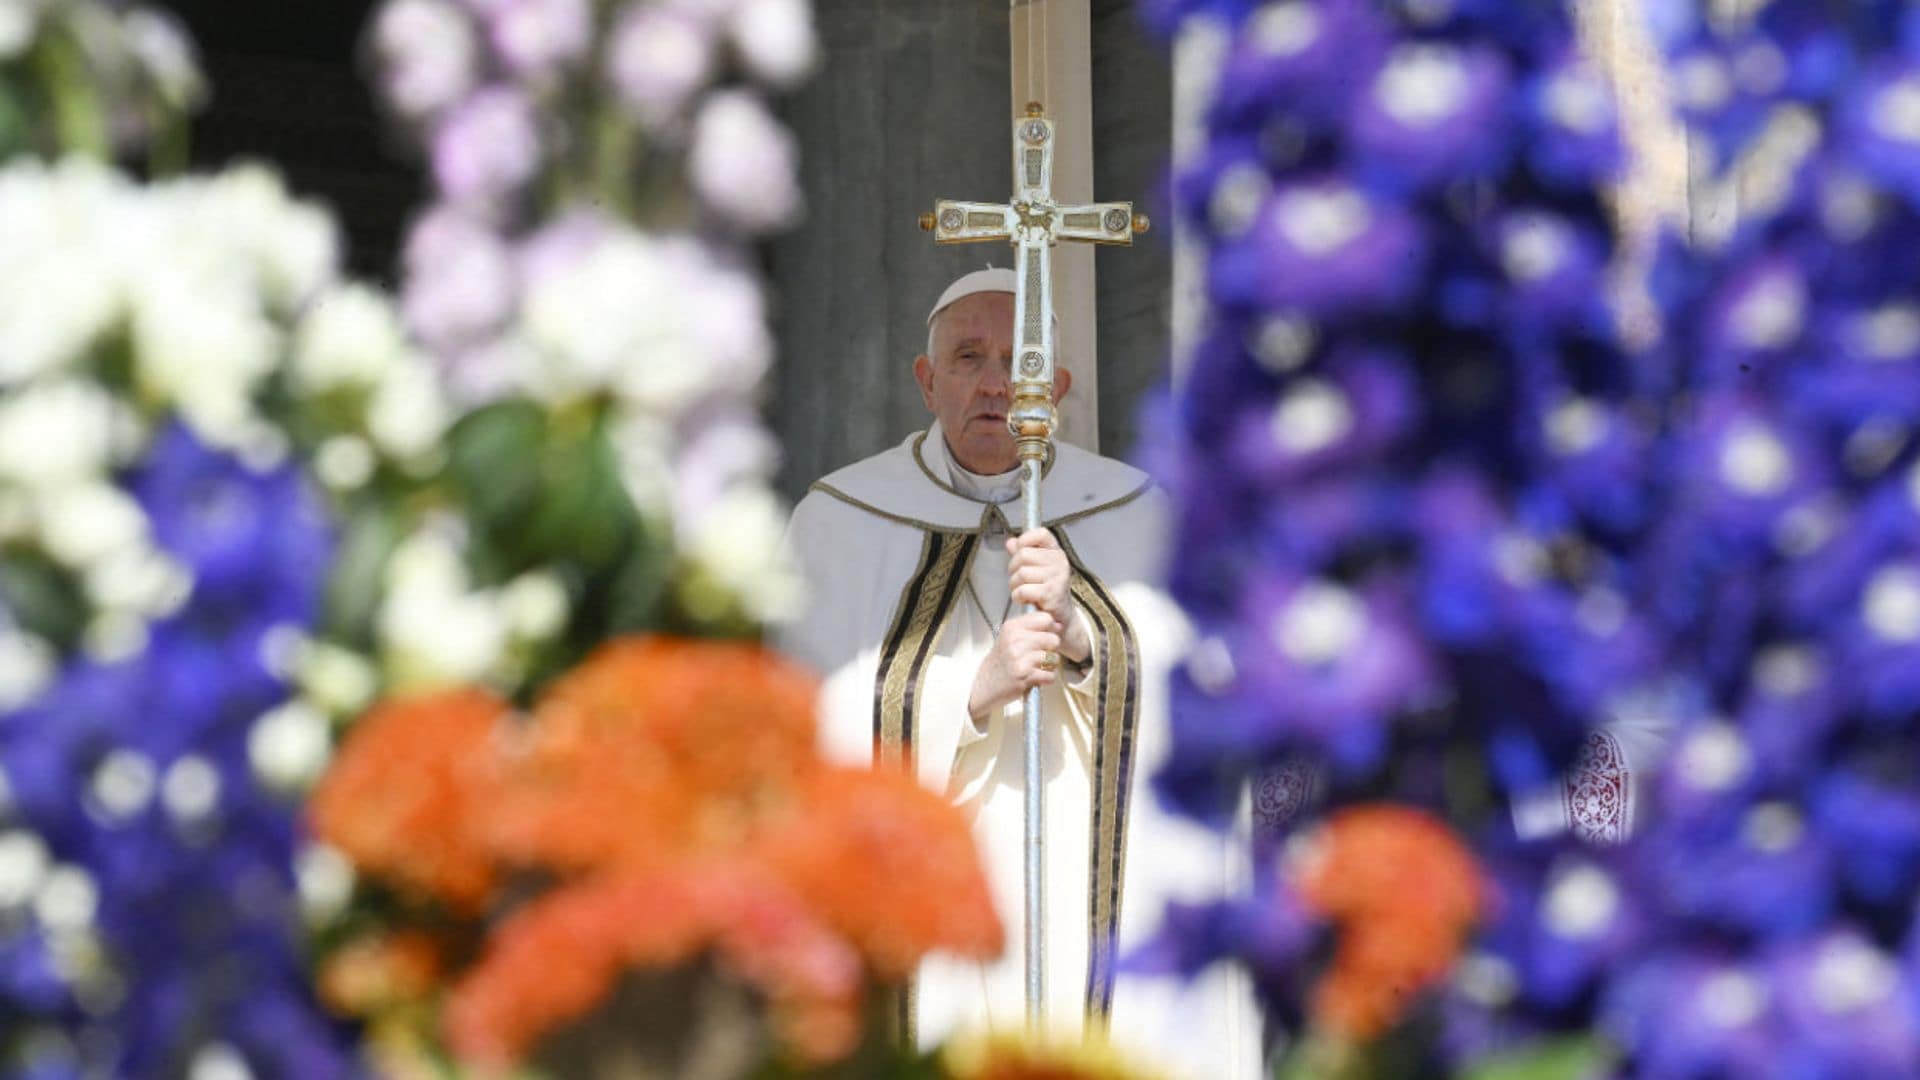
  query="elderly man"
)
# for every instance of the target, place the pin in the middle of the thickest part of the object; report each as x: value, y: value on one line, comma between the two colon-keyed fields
x: 917, y: 580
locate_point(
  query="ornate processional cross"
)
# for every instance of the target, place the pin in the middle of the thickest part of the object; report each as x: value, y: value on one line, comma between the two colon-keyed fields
x: 1033, y: 223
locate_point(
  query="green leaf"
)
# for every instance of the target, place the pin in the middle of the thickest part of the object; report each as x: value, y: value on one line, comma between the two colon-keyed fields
x: 371, y: 532
x: 79, y: 117
x: 1572, y: 1058
x: 584, y: 515
x: 43, y: 599
x: 494, y: 461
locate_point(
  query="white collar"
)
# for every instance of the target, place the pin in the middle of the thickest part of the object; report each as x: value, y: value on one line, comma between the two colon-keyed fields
x: 911, y: 484
x: 1001, y: 488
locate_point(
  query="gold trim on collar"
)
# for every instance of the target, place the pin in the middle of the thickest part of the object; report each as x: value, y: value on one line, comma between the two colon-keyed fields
x: 828, y: 489
x: 1067, y: 519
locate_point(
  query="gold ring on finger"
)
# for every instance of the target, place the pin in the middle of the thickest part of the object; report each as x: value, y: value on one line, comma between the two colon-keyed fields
x: 1049, y: 661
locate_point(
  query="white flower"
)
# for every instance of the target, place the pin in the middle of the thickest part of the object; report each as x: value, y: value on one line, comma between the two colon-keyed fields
x: 23, y: 867
x: 658, y: 322
x: 743, y: 162
x: 166, y: 52
x: 289, y: 746
x: 292, y: 247
x: 325, y: 880
x: 344, y: 462
x: 739, y: 548
x: 337, y: 679
x: 218, y: 1061
x: 775, y: 39
x: 201, y: 348
x: 534, y: 605
x: 191, y: 789
x: 644, y: 446
x: 53, y: 434
x: 17, y: 27
x: 408, y: 413
x: 350, y: 337
x: 113, y: 636
x: 433, y: 629
x: 27, y: 667
x: 138, y: 579
x: 67, y: 899
x: 82, y: 525
x: 61, y: 229
x: 122, y: 784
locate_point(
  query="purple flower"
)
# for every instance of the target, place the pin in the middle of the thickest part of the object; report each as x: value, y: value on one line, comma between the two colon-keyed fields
x: 1596, y: 456
x: 743, y: 163
x: 1874, y: 828
x: 135, y: 777
x: 1564, y: 919
x: 428, y: 54
x: 1303, y: 59
x: 1688, y: 1012
x: 252, y: 540
x: 1328, y: 667
x: 1759, y: 317
x: 1846, y: 1003
x: 1435, y: 113
x: 1323, y: 248
x: 1555, y: 270
x: 1790, y: 708
x: 1574, y: 138
x: 1879, y: 641
x: 1880, y: 121
x: 1746, y: 865
x: 487, y: 149
x: 1742, y: 468
x: 658, y: 60
x: 536, y: 37
x: 460, y: 285
x: 1350, y: 409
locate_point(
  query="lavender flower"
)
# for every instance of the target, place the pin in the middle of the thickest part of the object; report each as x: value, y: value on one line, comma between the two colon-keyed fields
x: 486, y: 149
x: 534, y: 38
x: 460, y: 283
x: 428, y: 54
x: 743, y: 163
x: 658, y: 60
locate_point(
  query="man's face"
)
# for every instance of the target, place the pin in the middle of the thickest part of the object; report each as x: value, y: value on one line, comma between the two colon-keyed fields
x: 968, y: 381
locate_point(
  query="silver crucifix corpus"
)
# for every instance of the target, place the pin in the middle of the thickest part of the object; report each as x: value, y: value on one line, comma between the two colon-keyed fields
x: 1033, y: 223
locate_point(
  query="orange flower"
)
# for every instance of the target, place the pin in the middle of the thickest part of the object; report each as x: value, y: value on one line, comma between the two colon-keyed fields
x: 655, y: 748
x: 404, y: 797
x: 1404, y: 892
x: 560, y: 956
x: 890, y: 865
x: 674, y: 791
x: 373, y: 974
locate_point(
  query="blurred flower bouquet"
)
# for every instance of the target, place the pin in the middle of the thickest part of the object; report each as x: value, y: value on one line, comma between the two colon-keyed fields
x: 243, y: 498
x: 661, y: 803
x: 1442, y: 530
x: 163, y: 354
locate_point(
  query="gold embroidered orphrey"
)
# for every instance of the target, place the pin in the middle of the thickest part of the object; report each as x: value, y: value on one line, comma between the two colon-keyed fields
x: 1033, y: 223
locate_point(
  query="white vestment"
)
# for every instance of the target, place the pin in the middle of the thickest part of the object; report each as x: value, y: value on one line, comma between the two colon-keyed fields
x: 907, y: 570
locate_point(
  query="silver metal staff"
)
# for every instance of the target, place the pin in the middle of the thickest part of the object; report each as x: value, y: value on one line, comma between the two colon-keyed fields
x: 1033, y: 223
